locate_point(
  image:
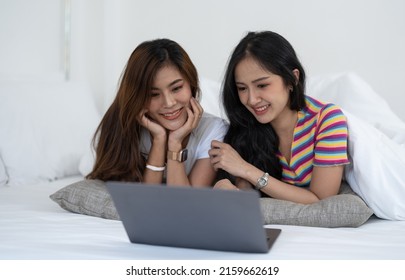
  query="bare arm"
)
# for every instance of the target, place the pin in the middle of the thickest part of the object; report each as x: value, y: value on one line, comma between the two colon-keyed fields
x: 325, y: 180
x: 201, y: 175
x: 157, y: 153
x: 176, y: 173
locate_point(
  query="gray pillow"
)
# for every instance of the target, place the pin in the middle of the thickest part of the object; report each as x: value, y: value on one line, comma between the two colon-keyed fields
x: 90, y: 197
x: 343, y: 210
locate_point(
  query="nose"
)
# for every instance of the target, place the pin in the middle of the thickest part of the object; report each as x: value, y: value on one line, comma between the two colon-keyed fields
x: 253, y: 97
x: 168, y: 100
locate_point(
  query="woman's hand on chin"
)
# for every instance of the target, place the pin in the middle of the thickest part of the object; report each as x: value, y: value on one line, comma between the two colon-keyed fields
x: 155, y: 129
x: 193, y: 119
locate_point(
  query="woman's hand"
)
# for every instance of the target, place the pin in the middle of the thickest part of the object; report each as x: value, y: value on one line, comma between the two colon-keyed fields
x: 194, y: 113
x: 224, y: 157
x: 155, y: 129
x: 225, y: 184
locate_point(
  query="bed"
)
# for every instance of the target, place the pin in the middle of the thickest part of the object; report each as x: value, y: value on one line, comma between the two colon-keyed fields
x: 45, y: 144
x: 34, y: 227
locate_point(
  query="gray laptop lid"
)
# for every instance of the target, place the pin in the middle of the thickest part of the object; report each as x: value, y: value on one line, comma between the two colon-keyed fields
x: 201, y: 218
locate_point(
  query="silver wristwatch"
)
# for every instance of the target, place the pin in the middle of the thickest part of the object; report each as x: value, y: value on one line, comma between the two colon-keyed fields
x: 262, y: 181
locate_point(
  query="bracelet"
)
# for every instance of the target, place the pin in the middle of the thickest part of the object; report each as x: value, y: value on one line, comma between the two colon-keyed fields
x: 155, y: 168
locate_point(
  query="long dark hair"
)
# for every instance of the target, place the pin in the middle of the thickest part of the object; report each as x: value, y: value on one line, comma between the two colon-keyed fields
x: 258, y: 143
x: 117, y: 138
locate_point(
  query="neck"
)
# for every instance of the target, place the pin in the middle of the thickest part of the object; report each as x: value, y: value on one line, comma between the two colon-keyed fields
x: 285, y: 123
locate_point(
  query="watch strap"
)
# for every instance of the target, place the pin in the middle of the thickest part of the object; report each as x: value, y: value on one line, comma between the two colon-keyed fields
x: 177, y: 156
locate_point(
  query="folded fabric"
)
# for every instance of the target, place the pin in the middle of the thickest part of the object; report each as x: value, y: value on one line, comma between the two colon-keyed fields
x: 90, y: 197
x: 376, y: 142
x: 377, y: 172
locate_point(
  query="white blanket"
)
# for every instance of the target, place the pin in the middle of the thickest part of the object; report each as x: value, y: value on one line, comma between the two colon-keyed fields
x: 376, y: 142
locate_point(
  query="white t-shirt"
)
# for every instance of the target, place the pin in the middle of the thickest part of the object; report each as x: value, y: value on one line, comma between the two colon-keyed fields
x: 210, y: 128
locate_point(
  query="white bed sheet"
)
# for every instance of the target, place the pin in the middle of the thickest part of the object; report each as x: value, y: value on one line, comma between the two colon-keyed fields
x: 32, y: 226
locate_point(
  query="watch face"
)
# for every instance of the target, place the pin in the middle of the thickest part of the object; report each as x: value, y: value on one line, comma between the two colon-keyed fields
x: 183, y: 155
x: 262, y: 181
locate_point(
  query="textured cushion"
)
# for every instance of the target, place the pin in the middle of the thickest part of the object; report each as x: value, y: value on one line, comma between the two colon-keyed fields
x: 343, y: 210
x: 90, y: 197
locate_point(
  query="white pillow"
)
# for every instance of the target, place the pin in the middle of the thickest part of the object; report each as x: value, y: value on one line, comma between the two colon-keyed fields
x: 87, y: 162
x: 3, y: 173
x: 45, y: 128
x: 211, y: 98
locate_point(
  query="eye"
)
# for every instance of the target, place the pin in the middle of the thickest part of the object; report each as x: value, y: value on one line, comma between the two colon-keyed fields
x: 154, y: 94
x: 262, y: 85
x: 177, y: 88
x: 241, y: 88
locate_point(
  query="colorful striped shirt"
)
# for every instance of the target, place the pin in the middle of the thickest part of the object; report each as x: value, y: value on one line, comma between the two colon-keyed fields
x: 320, y: 139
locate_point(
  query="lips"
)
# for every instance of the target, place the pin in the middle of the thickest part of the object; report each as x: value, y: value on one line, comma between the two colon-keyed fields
x: 261, y: 110
x: 172, y: 115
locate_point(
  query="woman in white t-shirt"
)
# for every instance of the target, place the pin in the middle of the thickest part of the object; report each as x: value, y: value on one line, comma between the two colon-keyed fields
x: 155, y: 130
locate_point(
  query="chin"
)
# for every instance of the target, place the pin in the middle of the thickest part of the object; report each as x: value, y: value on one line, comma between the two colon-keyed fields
x: 264, y: 119
x: 173, y: 125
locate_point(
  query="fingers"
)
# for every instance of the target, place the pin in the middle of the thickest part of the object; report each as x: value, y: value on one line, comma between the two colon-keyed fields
x: 215, y: 144
x: 197, y: 111
x: 196, y: 107
x: 194, y: 113
x: 225, y: 184
x: 221, y: 183
x: 216, y: 153
x: 219, y: 148
x: 215, y: 147
x: 153, y: 127
x: 224, y: 156
x: 192, y: 120
x: 143, y: 120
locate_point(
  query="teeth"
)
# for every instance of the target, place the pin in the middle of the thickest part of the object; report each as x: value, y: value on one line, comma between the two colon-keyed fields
x: 261, y: 108
x: 171, y: 114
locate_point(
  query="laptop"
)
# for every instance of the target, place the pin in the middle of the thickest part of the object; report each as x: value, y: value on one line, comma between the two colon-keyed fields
x: 199, y: 218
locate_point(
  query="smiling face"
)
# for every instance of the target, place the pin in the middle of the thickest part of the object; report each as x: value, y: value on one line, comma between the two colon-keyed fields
x: 263, y: 93
x: 170, y: 96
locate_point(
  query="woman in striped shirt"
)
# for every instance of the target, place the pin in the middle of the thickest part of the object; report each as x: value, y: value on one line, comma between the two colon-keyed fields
x: 281, y: 142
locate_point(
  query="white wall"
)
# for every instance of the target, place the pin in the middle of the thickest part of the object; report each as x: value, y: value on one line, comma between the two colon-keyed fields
x: 30, y: 38
x: 364, y: 36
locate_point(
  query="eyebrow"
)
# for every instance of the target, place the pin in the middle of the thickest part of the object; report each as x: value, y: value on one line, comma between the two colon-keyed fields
x: 171, y: 84
x: 255, y: 81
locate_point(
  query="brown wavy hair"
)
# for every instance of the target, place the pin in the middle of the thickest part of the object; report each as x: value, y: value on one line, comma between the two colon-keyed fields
x: 117, y: 138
